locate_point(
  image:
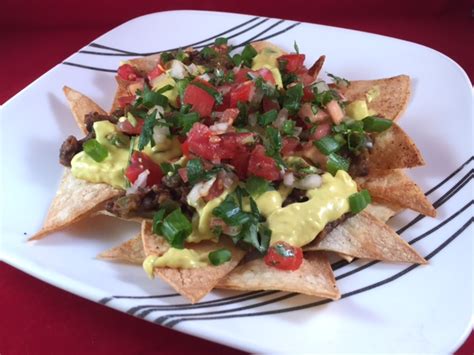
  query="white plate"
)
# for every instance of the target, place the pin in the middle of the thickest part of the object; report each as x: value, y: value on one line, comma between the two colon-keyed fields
x: 385, y: 307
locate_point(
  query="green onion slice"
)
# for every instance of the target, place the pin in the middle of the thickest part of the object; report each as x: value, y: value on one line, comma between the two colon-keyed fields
x: 95, y: 150
x: 220, y: 256
x: 376, y: 124
x: 336, y: 162
x: 359, y: 201
x: 328, y: 145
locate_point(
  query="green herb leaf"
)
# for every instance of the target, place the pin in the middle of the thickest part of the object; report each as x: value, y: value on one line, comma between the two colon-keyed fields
x: 297, y: 49
x: 292, y: 98
x: 356, y: 141
x: 327, y: 145
x: 166, y: 57
x: 195, y: 170
x: 288, y: 128
x: 248, y: 54
x: 257, y: 186
x: 337, y: 162
x: 339, y: 81
x: 220, y: 256
x: 185, y: 121
x: 321, y: 99
x: 237, y: 59
x: 146, y: 136
x: 267, y: 118
x: 181, y: 86
x: 359, y: 201
x: 208, y: 52
x: 95, y: 150
x: 376, y: 124
x: 288, y: 78
x: 150, y: 98
x: 176, y: 227
x: 268, y: 90
x: 220, y: 41
x: 119, y: 140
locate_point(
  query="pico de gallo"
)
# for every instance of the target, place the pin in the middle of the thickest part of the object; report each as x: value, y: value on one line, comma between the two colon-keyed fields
x: 251, y: 146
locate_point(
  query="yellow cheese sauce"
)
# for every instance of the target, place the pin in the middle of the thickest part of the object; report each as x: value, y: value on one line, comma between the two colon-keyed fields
x: 359, y: 109
x: 111, y: 169
x: 267, y: 58
x: 176, y: 259
x: 299, y: 223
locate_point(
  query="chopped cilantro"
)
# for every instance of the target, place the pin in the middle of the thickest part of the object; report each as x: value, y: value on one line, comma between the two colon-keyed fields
x: 292, y: 98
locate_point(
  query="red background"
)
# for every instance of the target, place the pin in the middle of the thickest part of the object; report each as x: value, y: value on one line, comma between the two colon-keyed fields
x: 35, y: 35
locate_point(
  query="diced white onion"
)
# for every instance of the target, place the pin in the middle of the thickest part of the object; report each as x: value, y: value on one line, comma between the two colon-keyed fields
x: 289, y: 179
x: 281, y: 118
x: 160, y: 134
x: 140, y: 182
x: 252, y: 119
x: 321, y: 86
x: 159, y: 110
x: 219, y: 127
x: 200, y: 189
x: 205, y: 77
x: 193, y: 69
x: 309, y: 182
x: 177, y: 69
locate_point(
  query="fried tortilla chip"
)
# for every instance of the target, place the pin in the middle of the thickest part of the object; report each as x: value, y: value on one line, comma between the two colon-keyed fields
x: 347, y: 258
x: 81, y: 105
x: 393, y: 97
x: 145, y: 64
x: 383, y: 211
x: 193, y: 284
x: 393, y: 149
x: 314, y: 277
x: 75, y: 200
x: 121, y: 91
x: 364, y: 236
x: 395, y: 187
x: 130, y: 251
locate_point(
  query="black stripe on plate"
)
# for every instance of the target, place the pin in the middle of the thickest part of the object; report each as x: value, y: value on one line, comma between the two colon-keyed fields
x: 339, y: 264
x: 254, y: 39
x: 345, y: 295
x: 89, y: 67
x: 129, y: 53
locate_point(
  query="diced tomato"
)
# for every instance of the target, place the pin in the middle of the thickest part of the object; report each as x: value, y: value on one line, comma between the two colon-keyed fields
x: 185, y: 148
x: 240, y: 162
x: 139, y: 162
x: 308, y: 94
x: 201, y: 101
x: 126, y: 100
x: 267, y: 75
x: 289, y: 146
x: 230, y: 143
x: 242, y: 93
x: 127, y: 72
x: 262, y: 165
x: 322, y: 130
x: 156, y: 72
x: 200, y: 143
x: 183, y: 173
x: 242, y: 75
x: 270, y: 104
x: 128, y: 128
x: 284, y: 256
x: 292, y: 62
x: 216, y: 190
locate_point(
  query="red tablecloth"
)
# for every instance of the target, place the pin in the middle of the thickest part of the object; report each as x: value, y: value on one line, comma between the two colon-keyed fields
x: 35, y: 35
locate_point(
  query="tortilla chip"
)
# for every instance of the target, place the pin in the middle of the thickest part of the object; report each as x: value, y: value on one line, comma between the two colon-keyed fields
x: 347, y: 258
x: 130, y: 251
x: 393, y: 149
x: 75, y: 199
x: 145, y: 64
x: 109, y: 214
x: 392, y: 100
x: 261, y: 45
x: 193, y: 284
x: 364, y: 236
x: 81, y: 105
x: 316, y: 67
x: 395, y: 187
x: 314, y: 277
x: 122, y: 90
x: 383, y: 211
